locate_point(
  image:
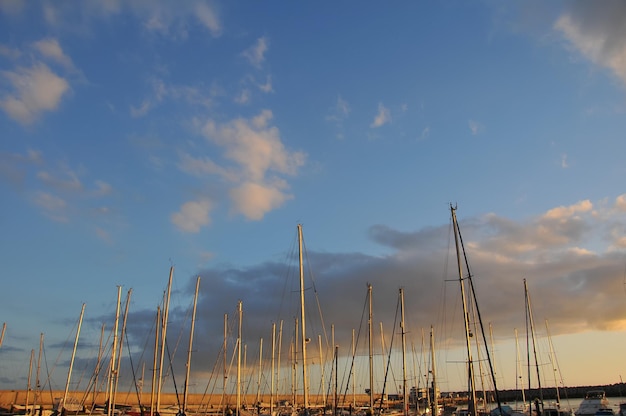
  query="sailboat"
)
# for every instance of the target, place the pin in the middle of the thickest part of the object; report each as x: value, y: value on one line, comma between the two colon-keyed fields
x: 539, y: 405
x: 467, y: 287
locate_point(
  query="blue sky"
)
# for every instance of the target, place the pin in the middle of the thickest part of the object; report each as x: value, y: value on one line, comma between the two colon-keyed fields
x: 142, y: 135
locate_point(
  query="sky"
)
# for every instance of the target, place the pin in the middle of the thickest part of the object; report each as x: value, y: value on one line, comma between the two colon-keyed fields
x: 141, y: 136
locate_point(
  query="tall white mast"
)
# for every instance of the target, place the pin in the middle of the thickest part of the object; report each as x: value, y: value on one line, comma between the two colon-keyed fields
x: 470, y: 363
x: 155, y: 361
x: 371, y: 347
x: 273, y: 364
x: 112, y: 368
x: 37, y: 386
x: 305, y: 385
x: 188, y: 364
x: 166, y: 309
x: 30, y: 372
x: 520, y: 377
x: 69, y: 372
x: 121, y: 344
x: 225, y: 377
x: 405, y: 401
x: 240, y: 312
x: 258, y: 383
x: 4, y: 328
x: 434, y: 405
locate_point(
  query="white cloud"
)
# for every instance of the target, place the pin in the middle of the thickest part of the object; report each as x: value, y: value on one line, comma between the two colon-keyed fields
x: 193, y: 215
x: 50, y: 48
x: 597, y: 31
x: 564, y: 163
x: 254, y: 146
x: 620, y: 203
x: 382, y: 117
x: 254, y: 200
x: 563, y: 212
x: 254, y: 159
x: 256, y: 53
x: 208, y: 18
x: 35, y: 90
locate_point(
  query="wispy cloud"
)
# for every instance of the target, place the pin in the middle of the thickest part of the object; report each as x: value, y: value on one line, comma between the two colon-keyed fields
x: 14, y: 166
x: 161, y: 91
x: 8, y: 52
x: 597, y: 31
x: 65, y: 180
x: 253, y: 164
x: 382, y: 117
x: 425, y: 133
x: 53, y: 206
x: 255, y: 54
x: 339, y: 111
x: 267, y: 86
x: 50, y: 48
x: 34, y: 90
x: 475, y: 127
x: 174, y: 20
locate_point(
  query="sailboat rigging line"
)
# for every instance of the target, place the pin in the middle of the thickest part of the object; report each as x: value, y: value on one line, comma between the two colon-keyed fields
x: 317, y: 300
x: 169, y: 357
x: 530, y: 320
x: 132, y: 369
x: 477, y: 310
x: 395, y: 321
x: 354, y: 353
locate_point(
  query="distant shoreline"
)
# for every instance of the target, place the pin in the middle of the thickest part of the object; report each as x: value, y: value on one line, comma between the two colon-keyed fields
x: 46, y: 398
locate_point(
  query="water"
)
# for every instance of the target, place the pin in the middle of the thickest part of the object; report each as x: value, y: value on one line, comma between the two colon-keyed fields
x: 574, y: 403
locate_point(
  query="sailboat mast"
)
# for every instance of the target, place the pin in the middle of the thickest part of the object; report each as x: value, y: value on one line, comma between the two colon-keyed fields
x: 470, y: 364
x: 30, y: 372
x: 280, y: 344
x: 322, y: 369
x: 225, y: 375
x: 166, y: 309
x: 554, y: 365
x: 405, y: 402
x: 113, y: 371
x: 155, y: 361
x: 37, y: 386
x: 258, y: 383
x: 371, y: 347
x: 188, y: 365
x: 240, y: 313
x: 273, y: 363
x: 121, y: 344
x: 69, y: 372
x: 520, y: 377
x: 4, y: 328
x: 435, y: 407
x: 303, y: 324
x: 529, y: 311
